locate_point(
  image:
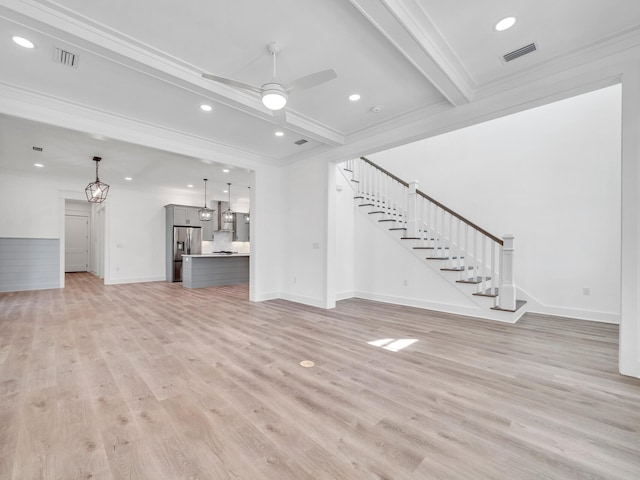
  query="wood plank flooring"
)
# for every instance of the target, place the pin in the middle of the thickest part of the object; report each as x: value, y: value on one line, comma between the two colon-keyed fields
x: 154, y: 381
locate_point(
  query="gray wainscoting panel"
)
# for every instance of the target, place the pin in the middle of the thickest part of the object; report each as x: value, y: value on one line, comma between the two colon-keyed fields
x: 29, y: 264
x: 201, y: 272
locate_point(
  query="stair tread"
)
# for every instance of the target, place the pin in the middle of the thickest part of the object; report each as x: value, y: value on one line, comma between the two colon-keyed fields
x: 409, y: 238
x: 387, y: 220
x: 442, y: 258
x: 366, y: 205
x: 473, y: 281
x: 489, y: 292
x: 519, y: 305
x: 398, y: 228
x: 377, y: 211
x: 456, y: 269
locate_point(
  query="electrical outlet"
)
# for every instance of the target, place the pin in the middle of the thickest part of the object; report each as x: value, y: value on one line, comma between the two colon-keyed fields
x: 586, y: 291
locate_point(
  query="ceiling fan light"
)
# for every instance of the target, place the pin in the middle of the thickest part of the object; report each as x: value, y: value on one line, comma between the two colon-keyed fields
x: 273, y: 96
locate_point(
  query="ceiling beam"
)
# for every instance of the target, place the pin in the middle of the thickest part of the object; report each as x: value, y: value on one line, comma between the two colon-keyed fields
x: 407, y: 26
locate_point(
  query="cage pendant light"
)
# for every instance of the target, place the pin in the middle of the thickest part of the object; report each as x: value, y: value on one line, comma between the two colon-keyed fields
x: 97, y: 191
x: 205, y: 214
x: 227, y: 216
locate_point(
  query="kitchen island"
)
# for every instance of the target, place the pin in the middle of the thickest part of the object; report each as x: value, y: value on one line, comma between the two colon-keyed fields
x: 211, y: 269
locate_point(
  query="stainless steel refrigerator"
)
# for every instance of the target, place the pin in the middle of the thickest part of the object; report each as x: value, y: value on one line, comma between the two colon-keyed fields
x: 186, y: 241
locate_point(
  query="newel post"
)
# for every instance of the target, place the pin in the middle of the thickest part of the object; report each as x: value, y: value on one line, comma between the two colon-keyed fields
x: 507, y: 283
x: 412, y: 210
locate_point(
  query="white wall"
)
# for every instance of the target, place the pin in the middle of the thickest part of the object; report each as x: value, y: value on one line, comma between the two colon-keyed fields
x: 268, y: 241
x: 630, y: 294
x: 344, y: 272
x: 304, y: 239
x: 25, y: 213
x: 551, y: 176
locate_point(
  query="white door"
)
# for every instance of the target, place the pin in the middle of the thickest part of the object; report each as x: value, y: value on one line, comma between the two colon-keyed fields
x: 76, y: 241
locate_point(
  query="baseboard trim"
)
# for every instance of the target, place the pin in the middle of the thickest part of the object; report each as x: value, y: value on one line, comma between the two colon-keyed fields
x: 478, y: 313
x: 122, y: 281
x: 313, y: 302
x: 345, y: 295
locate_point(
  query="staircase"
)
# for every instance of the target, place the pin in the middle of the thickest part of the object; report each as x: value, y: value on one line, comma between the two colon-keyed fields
x: 477, y: 262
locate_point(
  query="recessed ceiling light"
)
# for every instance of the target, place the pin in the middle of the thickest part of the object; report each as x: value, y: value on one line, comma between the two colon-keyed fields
x: 225, y: 191
x: 354, y: 97
x: 505, y: 24
x: 128, y: 179
x: 279, y: 133
x: 189, y: 186
x: 206, y: 108
x: 23, y: 42
x: 39, y: 165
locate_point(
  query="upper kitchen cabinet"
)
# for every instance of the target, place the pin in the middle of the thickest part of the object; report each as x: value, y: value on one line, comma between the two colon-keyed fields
x: 186, y: 216
x: 182, y: 215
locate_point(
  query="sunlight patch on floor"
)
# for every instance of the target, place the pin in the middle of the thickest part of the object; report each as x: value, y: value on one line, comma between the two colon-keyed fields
x: 393, y: 344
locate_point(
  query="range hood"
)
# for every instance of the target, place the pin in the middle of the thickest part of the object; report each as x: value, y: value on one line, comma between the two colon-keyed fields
x: 220, y: 226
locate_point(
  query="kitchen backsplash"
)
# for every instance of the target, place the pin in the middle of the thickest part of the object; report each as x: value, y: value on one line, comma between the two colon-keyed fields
x: 222, y: 241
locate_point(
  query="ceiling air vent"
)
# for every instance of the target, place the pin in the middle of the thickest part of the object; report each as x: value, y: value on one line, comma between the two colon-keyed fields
x: 302, y: 141
x: 65, y: 57
x: 519, y: 52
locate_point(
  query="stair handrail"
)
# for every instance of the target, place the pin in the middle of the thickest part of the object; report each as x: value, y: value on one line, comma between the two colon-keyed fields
x: 498, y: 240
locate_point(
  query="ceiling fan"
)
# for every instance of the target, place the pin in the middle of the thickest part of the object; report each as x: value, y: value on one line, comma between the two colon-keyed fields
x: 274, y: 94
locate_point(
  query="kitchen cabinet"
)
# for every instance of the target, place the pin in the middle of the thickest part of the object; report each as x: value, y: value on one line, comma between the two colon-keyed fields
x: 241, y: 228
x: 184, y: 215
x: 207, y: 229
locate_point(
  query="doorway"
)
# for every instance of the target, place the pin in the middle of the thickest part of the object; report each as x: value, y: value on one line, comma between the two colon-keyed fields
x: 76, y: 252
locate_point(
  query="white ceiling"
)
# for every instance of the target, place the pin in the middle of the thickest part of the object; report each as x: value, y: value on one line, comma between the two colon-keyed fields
x: 141, y: 62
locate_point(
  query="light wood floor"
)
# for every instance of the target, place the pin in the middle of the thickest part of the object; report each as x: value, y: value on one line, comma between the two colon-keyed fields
x: 153, y: 381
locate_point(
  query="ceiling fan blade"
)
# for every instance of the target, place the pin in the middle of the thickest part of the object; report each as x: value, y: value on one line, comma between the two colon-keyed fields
x: 312, y: 80
x: 233, y: 83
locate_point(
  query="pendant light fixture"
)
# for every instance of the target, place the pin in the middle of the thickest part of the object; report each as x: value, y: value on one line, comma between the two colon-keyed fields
x: 247, y: 216
x: 205, y: 214
x: 227, y: 216
x: 97, y: 191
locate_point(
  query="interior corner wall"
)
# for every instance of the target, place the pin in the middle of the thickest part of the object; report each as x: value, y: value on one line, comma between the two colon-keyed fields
x: 268, y: 241
x: 304, y: 231
x: 549, y: 175
x: 344, y: 259
x: 629, y: 353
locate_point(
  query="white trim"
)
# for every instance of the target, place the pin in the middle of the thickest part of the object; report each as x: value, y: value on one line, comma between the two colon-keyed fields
x: 478, y: 313
x: 122, y: 281
x: 345, y: 295
x: 313, y: 302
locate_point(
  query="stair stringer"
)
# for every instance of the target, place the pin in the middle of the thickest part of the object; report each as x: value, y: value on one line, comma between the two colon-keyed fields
x: 473, y: 306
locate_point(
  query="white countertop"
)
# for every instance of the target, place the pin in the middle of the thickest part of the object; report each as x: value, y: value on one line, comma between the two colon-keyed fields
x: 217, y: 255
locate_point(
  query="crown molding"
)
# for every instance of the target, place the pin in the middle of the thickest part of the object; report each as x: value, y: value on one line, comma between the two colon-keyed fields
x: 38, y: 107
x: 68, y: 26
